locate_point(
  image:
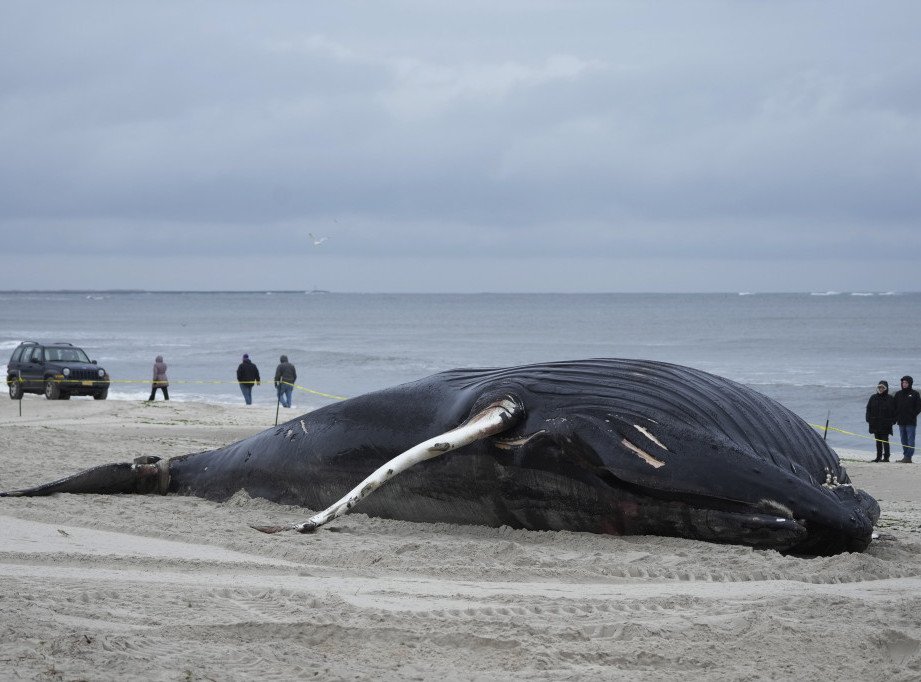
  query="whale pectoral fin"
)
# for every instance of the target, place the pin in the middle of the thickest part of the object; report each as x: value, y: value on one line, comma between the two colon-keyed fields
x: 493, y: 419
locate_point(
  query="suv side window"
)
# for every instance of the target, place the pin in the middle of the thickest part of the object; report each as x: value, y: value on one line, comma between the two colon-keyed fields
x: 16, y: 354
x: 37, y: 354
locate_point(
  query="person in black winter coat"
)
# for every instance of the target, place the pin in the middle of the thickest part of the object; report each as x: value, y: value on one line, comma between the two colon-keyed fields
x: 907, y: 408
x: 247, y: 377
x: 881, y: 417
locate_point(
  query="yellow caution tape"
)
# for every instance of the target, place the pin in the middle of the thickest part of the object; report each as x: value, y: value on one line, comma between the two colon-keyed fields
x: 856, y: 435
x: 310, y: 390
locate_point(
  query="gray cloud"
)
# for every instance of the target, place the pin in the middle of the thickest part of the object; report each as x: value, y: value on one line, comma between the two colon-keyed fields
x: 577, y: 146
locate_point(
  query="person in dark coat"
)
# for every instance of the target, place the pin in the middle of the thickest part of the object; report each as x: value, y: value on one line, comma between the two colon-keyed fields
x: 159, y: 379
x: 907, y: 408
x: 285, y: 376
x: 247, y: 376
x: 881, y: 417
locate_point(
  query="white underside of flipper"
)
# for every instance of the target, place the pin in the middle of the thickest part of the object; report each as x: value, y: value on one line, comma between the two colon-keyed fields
x: 494, y: 419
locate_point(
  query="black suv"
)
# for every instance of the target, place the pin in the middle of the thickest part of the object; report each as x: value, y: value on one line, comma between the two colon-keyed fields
x: 59, y: 370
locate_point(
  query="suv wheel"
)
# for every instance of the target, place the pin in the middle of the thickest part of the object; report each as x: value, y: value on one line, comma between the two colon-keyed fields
x: 101, y: 395
x: 52, y: 389
x: 15, y: 388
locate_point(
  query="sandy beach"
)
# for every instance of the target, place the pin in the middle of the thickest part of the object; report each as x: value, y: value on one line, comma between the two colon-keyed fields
x: 169, y: 588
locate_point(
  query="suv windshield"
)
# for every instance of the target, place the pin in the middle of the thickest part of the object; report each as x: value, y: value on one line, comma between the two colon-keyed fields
x: 65, y: 354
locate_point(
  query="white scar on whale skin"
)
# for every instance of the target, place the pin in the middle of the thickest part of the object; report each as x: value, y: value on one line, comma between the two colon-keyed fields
x: 649, y: 436
x: 494, y: 419
x: 645, y: 456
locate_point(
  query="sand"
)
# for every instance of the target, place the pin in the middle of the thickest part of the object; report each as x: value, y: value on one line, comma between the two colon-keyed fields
x: 168, y: 588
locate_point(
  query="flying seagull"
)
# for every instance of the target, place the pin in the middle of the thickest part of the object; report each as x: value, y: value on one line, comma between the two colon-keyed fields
x: 316, y: 240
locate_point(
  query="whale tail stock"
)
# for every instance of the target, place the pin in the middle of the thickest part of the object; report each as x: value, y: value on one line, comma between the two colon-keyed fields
x: 143, y: 475
x: 151, y: 474
x: 495, y: 418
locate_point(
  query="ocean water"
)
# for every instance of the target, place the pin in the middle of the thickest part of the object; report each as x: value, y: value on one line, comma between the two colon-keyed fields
x: 819, y: 354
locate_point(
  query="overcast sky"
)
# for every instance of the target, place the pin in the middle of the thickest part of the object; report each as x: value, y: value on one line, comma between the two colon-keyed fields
x: 446, y: 146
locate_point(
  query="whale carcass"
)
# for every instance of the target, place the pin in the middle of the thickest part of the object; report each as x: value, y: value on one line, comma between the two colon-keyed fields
x: 614, y: 446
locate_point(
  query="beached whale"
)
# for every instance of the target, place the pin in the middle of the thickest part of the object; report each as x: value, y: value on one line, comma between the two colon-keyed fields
x: 613, y: 446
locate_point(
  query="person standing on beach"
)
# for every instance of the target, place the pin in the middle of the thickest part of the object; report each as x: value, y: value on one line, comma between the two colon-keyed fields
x: 247, y: 375
x: 881, y: 417
x: 907, y: 408
x: 159, y: 379
x: 285, y: 376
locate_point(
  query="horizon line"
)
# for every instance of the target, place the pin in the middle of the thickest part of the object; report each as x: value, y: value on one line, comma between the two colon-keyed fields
x: 451, y: 293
